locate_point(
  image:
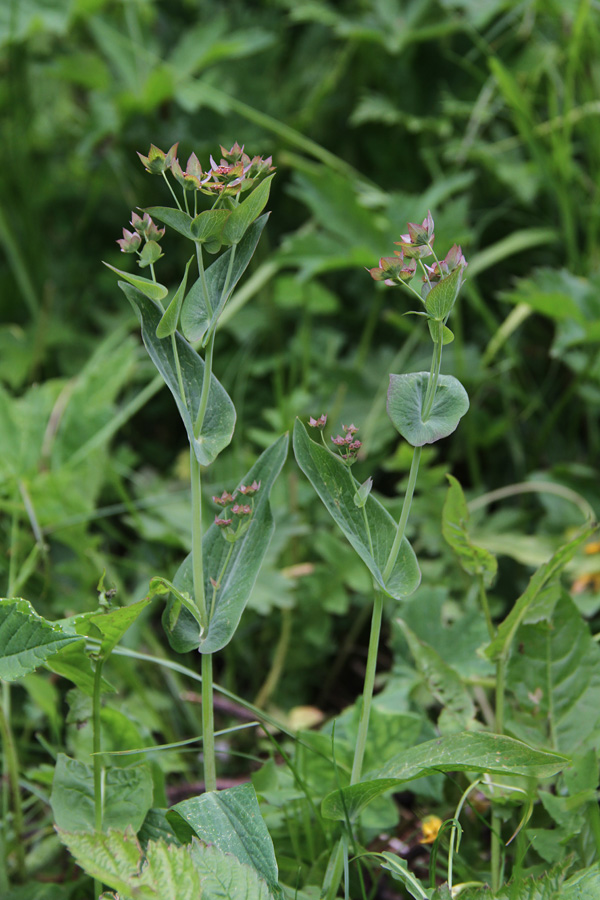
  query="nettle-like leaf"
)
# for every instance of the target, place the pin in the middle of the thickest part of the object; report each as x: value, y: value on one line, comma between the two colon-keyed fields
x: 232, y: 822
x: 161, y: 872
x: 406, y: 396
x: 471, y: 751
x: 198, y: 316
x: 26, y: 639
x: 236, y: 585
x: 219, y: 420
x: 127, y: 795
x: 224, y: 876
x: 372, y: 539
x: 73, y: 662
x: 109, y: 627
x: 500, y: 646
x: 455, y: 519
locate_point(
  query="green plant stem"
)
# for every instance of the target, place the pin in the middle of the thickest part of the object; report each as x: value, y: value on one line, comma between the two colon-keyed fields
x: 208, y: 724
x: 197, y: 557
x: 202, y: 273
x: 12, y: 770
x: 274, y: 674
x: 454, y: 829
x: 486, y: 608
x: 434, y: 374
x: 219, y: 580
x: 363, y: 725
x: 408, y: 498
x: 496, y: 818
x: 173, y: 194
x: 97, y: 744
x: 208, y: 359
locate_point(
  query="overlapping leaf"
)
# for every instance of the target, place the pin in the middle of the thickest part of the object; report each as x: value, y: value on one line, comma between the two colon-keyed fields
x: 406, y: 396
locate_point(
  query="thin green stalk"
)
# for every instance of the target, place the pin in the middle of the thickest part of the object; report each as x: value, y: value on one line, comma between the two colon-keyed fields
x: 486, y: 608
x: 208, y: 724
x: 408, y: 497
x: 168, y: 183
x: 454, y: 829
x: 274, y: 674
x: 208, y: 358
x: 496, y: 818
x: 197, y: 558
x: 12, y: 771
x: 178, y: 369
x: 202, y: 273
x: 434, y: 374
x: 363, y: 725
x: 97, y: 743
x: 209, y: 337
x: 217, y: 585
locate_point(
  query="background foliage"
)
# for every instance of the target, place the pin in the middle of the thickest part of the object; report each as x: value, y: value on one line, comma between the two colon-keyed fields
x: 374, y: 112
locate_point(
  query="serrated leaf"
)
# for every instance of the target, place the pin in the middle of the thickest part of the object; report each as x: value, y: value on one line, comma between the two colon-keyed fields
x: 455, y: 519
x: 501, y: 644
x: 174, y: 218
x: 243, y: 215
x: 168, y: 323
x: 444, y: 683
x: 219, y: 420
x: 150, y: 289
x: 442, y: 296
x: 241, y: 572
x: 156, y: 828
x: 196, y: 316
x: 26, y: 639
x: 405, y: 399
x: 471, y: 751
x: 225, y: 877
x: 232, y: 822
x: 127, y: 795
x: 162, y: 872
x: 109, y: 627
x: 336, y: 487
x: 208, y: 225
x: 555, y: 679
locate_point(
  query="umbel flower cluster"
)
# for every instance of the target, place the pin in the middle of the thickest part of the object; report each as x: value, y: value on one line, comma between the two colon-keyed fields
x: 235, y: 512
x: 415, y: 246
x: 346, y: 444
x: 235, y: 173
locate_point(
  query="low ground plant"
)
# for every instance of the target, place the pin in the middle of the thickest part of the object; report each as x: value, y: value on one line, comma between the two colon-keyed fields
x: 493, y: 722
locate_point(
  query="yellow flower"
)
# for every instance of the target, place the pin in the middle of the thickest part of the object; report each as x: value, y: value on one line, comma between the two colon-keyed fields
x: 430, y: 827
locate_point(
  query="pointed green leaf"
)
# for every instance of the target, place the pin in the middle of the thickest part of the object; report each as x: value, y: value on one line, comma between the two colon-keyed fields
x: 443, y: 681
x: 336, y: 487
x: 150, y: 254
x: 209, y: 224
x: 442, y: 296
x: 241, y: 572
x: 455, y: 519
x: 471, y: 751
x: 225, y: 877
x: 26, y: 639
x: 174, y: 218
x: 127, y: 795
x: 74, y: 663
x: 243, y: 215
x: 400, y: 871
x: 230, y: 820
x: 219, y: 286
x: 162, y: 872
x: 109, y: 627
x: 447, y: 335
x: 168, y: 323
x: 150, y: 289
x: 406, y: 395
x: 219, y: 420
x: 500, y: 646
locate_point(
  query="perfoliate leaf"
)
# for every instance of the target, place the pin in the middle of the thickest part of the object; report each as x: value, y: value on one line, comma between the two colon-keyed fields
x: 240, y: 574
x: 243, y: 215
x: 219, y: 420
x: 199, y: 316
x: 406, y: 396
x: 26, y: 639
x: 472, y: 751
x: 174, y: 218
x: 232, y: 822
x: 170, y: 319
x: 455, y: 519
x: 149, y: 288
x: 372, y: 539
x: 209, y: 224
x: 501, y: 644
x: 127, y: 795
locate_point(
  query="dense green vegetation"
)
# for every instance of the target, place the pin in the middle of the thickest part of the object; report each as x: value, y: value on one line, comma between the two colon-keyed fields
x: 374, y: 112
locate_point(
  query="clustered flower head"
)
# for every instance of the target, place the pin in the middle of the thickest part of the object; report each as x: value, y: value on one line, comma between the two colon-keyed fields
x: 143, y: 228
x: 235, y: 512
x: 347, y: 444
x: 236, y: 171
x: 320, y: 423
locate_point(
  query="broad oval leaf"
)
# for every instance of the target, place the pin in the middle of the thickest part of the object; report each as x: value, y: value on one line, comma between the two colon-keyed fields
x: 219, y: 420
x: 127, y: 795
x: 26, y: 639
x: 208, y: 225
x: 242, y: 569
x: 455, y: 519
x: 168, y: 324
x: 195, y: 308
x: 151, y: 289
x: 174, y: 218
x: 243, y: 215
x: 336, y: 487
x: 231, y: 821
x: 471, y: 751
x: 406, y: 395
